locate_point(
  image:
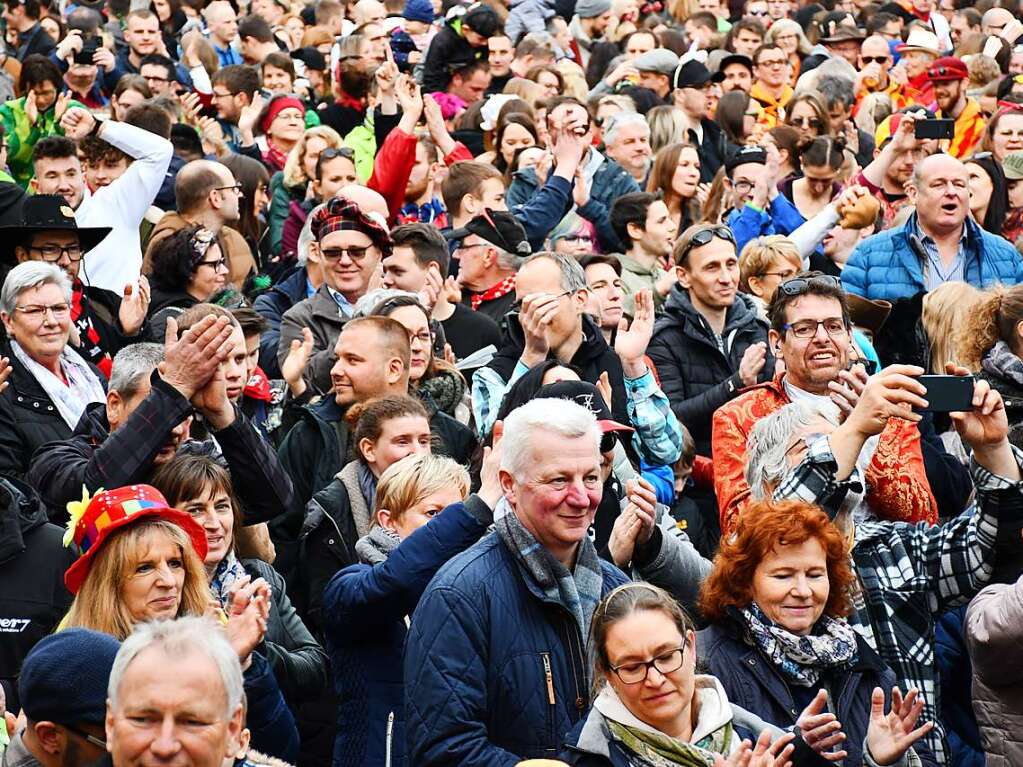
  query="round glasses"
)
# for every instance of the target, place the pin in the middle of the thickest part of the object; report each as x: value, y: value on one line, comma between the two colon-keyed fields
x: 635, y: 672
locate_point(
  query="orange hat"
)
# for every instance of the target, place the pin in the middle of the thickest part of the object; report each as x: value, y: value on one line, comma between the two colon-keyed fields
x: 93, y: 520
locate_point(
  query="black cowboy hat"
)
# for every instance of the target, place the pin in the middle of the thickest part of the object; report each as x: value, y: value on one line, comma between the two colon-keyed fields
x: 51, y: 213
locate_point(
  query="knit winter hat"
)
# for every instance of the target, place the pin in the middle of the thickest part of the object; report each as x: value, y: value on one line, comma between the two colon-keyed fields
x: 589, y: 9
x: 418, y: 10
x: 277, y: 106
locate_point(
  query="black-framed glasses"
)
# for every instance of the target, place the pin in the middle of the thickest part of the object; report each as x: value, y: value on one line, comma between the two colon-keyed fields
x: 635, y: 672
x: 833, y: 326
x: 236, y: 188
x: 98, y: 742
x: 705, y: 235
x: 220, y: 263
x: 53, y: 253
x: 875, y: 59
x: 355, y: 254
x: 799, y: 285
x: 773, y: 63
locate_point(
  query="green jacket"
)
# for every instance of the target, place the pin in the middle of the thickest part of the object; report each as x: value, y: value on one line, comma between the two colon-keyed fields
x: 281, y: 196
x: 363, y: 142
x: 22, y: 136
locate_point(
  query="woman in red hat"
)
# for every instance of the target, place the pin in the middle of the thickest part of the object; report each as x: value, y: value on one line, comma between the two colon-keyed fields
x: 142, y: 560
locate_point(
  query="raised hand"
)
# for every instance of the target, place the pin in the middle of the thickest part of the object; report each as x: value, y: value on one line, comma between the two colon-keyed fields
x: 134, y: 306
x: 622, y: 542
x: 752, y: 362
x: 764, y: 754
x: 70, y: 45
x: 5, y: 373
x: 821, y: 730
x: 846, y: 391
x: 891, y: 735
x: 60, y: 106
x: 580, y: 189
x: 104, y: 58
x: 191, y: 107
x: 490, y: 481
x: 246, y: 617
x: 190, y: 361
x: 537, y: 314
x: 77, y: 123
x: 250, y: 115
x: 604, y: 387
x: 642, y: 500
x: 631, y: 344
x: 434, y: 286
x: 212, y: 401
x: 31, y: 107
x: 295, y: 363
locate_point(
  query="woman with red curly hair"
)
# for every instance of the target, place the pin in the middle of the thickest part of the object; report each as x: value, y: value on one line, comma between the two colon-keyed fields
x: 779, y: 642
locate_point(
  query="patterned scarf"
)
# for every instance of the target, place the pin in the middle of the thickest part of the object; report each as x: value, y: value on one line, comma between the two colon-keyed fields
x: 801, y: 659
x: 577, y: 591
x: 88, y: 337
x: 82, y: 387
x: 225, y: 578
x: 503, y: 288
x: 1002, y: 362
x: 274, y: 157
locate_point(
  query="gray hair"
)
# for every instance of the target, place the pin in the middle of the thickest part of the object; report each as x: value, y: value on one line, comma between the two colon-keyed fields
x: 306, y: 236
x: 178, y: 638
x: 365, y: 305
x: 540, y: 417
x: 573, y: 277
x: 834, y: 89
x: 32, y: 274
x: 770, y: 438
x: 506, y: 260
x: 621, y: 120
x: 131, y: 365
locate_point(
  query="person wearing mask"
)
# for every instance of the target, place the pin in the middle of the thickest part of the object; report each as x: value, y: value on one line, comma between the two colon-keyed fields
x: 709, y: 343
x: 63, y: 694
x: 147, y: 416
x: 141, y: 561
x: 939, y: 242
x: 691, y: 81
x: 351, y: 242
x: 644, y: 225
x: 207, y: 195
x: 949, y: 78
x: 796, y: 591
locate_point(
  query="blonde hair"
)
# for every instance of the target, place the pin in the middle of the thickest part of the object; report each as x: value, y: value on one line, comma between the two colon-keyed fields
x: 993, y: 317
x: 415, y: 478
x: 761, y: 252
x: 294, y: 170
x: 99, y: 605
x: 945, y: 309
x: 668, y: 125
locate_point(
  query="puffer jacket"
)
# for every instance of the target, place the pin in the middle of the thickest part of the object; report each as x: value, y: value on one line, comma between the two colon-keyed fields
x: 365, y: 608
x: 494, y: 672
x: 610, y: 181
x: 994, y: 634
x: 753, y: 681
x: 694, y: 374
x: 884, y: 265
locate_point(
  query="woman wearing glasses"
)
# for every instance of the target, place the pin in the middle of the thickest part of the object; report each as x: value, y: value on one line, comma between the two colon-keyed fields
x: 50, y: 383
x: 779, y: 642
x: 808, y: 115
x: 186, y: 268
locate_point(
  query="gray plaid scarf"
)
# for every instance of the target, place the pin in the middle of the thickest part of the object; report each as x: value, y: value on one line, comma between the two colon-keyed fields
x: 577, y: 591
x: 1002, y: 362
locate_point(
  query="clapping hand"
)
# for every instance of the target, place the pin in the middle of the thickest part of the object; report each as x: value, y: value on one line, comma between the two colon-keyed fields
x: 247, y: 614
x: 635, y: 525
x: 631, y: 344
x: 294, y: 365
x: 821, y: 730
x: 490, y: 481
x: 891, y: 735
x: 190, y: 361
x: 134, y: 306
x: 764, y: 754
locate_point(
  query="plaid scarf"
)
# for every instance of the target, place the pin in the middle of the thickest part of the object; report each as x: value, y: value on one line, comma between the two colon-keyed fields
x: 503, y: 288
x: 273, y: 157
x: 88, y: 337
x: 577, y: 591
x: 801, y: 659
x: 1001, y: 362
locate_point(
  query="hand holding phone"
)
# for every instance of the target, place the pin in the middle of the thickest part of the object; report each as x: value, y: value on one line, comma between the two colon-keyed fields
x: 934, y: 129
x: 948, y: 393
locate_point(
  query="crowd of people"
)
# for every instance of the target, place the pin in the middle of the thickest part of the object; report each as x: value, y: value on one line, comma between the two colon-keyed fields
x: 596, y: 383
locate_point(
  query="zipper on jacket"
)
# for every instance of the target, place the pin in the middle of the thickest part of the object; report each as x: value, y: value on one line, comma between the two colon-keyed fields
x: 390, y: 737
x: 574, y: 641
x: 550, y: 677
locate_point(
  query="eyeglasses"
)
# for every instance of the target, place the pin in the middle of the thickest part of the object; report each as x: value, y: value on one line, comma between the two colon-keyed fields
x: 425, y: 338
x: 98, y: 742
x: 577, y: 238
x: 833, y: 326
x: 636, y: 672
x: 53, y: 253
x: 220, y: 263
x: 236, y: 188
x: 773, y: 63
x: 355, y: 254
x: 155, y: 79
x: 36, y: 312
x: 875, y: 59
x: 704, y: 236
x: 227, y: 95
x: 799, y: 285
x: 807, y: 122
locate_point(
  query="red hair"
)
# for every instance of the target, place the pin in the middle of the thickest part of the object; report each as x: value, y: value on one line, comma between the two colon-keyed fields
x: 763, y: 526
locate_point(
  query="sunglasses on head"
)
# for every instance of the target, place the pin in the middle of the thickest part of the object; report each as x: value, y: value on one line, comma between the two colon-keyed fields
x: 703, y: 237
x: 331, y: 153
x: 799, y: 285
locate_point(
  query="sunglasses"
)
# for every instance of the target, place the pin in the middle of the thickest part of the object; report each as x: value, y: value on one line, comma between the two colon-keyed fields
x: 703, y: 237
x: 875, y: 59
x: 799, y: 285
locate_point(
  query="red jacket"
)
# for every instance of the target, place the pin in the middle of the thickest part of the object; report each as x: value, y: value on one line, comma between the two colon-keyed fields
x: 897, y: 486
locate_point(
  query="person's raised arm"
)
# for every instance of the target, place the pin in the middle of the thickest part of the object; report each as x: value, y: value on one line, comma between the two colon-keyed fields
x: 904, y: 140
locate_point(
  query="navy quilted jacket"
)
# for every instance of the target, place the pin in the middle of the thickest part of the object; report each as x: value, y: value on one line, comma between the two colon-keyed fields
x: 494, y: 673
x: 885, y: 267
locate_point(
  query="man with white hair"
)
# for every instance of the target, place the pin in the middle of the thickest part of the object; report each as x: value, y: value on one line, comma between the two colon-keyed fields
x: 175, y: 693
x: 510, y: 616
x: 909, y: 574
x: 627, y: 142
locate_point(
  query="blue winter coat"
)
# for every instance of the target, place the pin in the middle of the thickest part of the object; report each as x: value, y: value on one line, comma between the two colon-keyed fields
x: 494, y: 672
x: 610, y: 182
x: 950, y: 654
x: 884, y: 266
x: 752, y: 681
x: 364, y: 609
x: 781, y: 217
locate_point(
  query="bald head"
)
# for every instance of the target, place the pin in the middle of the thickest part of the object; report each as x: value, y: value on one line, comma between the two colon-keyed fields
x: 218, y: 11
x: 939, y: 164
x: 995, y: 20
x: 367, y: 200
x: 366, y: 11
x: 196, y: 180
x: 940, y: 190
x: 875, y: 45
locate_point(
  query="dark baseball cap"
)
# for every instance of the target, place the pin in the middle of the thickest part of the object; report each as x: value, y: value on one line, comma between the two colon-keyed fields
x: 693, y: 74
x: 500, y: 228
x: 589, y: 396
x: 744, y: 155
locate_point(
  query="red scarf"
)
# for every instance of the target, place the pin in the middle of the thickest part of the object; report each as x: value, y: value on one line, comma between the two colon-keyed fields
x: 88, y: 337
x: 344, y: 100
x: 274, y: 157
x: 503, y: 288
x: 258, y: 387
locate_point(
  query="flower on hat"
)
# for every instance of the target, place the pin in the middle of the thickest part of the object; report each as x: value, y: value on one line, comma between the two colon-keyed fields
x: 76, y: 510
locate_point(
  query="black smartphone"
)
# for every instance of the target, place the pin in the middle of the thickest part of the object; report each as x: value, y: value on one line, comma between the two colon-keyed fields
x: 947, y: 394
x: 89, y: 47
x: 934, y: 129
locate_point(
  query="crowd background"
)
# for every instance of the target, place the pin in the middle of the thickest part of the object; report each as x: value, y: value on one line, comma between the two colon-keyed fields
x: 418, y: 382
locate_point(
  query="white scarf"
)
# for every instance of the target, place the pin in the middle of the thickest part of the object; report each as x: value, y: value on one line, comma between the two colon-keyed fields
x: 82, y: 387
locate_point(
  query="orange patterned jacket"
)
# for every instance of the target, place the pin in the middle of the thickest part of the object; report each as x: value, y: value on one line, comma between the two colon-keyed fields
x: 897, y: 486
